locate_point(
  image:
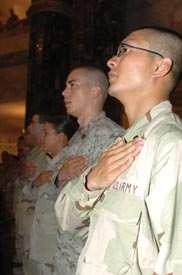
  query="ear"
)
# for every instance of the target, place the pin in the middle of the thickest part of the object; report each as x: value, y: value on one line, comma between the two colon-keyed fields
x: 163, y: 67
x: 96, y: 92
x: 62, y: 139
x: 61, y: 136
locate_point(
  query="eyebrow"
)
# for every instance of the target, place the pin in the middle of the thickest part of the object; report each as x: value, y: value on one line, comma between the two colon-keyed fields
x: 34, y: 121
x: 71, y: 81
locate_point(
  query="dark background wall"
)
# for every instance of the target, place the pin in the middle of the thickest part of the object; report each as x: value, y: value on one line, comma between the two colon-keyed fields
x: 50, y: 37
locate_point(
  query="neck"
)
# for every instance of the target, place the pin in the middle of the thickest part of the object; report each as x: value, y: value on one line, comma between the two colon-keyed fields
x: 58, y: 148
x: 84, y: 120
x: 134, y: 113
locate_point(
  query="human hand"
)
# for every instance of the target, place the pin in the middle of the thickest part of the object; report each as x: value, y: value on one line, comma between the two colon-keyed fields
x: 43, y: 178
x: 112, y: 163
x: 72, y: 167
x: 28, y: 170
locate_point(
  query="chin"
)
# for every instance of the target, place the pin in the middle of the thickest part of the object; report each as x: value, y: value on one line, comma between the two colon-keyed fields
x: 111, y: 91
x: 69, y: 112
x: 72, y: 113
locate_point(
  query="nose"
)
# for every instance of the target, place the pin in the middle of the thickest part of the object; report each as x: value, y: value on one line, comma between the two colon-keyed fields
x: 65, y: 92
x: 112, y: 62
x: 29, y: 128
x: 42, y: 136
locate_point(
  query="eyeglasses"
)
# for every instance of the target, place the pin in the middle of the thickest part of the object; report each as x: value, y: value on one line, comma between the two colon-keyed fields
x: 123, y: 48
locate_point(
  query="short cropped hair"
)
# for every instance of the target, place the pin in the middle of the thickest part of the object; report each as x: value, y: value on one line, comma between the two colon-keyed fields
x: 42, y: 118
x: 62, y: 124
x: 168, y: 42
x: 96, y: 77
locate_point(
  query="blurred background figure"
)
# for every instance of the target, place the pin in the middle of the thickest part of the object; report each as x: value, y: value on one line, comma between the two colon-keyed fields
x: 33, y: 161
x: 13, y: 17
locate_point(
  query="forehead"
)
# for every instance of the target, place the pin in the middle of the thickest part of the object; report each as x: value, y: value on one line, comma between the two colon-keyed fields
x: 47, y: 126
x: 77, y: 74
x: 138, y: 37
x: 35, y: 118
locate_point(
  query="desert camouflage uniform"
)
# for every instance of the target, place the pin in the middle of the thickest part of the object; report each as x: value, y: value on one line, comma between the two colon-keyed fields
x: 135, y: 224
x: 44, y: 227
x: 24, y: 210
x: 90, y: 140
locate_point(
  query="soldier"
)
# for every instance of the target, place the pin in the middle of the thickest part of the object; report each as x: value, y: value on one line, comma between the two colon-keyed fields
x: 84, y: 97
x: 57, y: 131
x: 135, y: 216
x: 35, y: 161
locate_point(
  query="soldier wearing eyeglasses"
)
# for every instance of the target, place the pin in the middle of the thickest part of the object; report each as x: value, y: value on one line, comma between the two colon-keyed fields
x: 135, y: 216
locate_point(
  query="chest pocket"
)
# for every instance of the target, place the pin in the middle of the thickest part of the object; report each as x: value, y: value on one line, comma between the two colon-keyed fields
x: 121, y: 220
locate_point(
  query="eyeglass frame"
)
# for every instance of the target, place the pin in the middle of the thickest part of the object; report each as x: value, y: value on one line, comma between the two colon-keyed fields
x: 123, y: 45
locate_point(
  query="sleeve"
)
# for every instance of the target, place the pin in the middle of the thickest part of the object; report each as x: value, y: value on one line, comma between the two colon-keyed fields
x: 164, y: 205
x: 74, y: 205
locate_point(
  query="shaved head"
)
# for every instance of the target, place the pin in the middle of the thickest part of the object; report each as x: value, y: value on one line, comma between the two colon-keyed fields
x: 168, y: 43
x: 96, y: 77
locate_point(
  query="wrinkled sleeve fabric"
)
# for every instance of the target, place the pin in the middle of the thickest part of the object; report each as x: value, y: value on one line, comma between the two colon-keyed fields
x: 74, y: 205
x: 75, y: 202
x: 164, y: 204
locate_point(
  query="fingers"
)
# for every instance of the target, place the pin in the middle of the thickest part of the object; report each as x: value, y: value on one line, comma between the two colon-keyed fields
x: 77, y: 162
x: 123, y: 157
x: 77, y: 158
x: 122, y: 150
x: 72, y: 166
x: 43, y: 178
x: 122, y: 154
x: 47, y: 175
x: 113, y: 162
